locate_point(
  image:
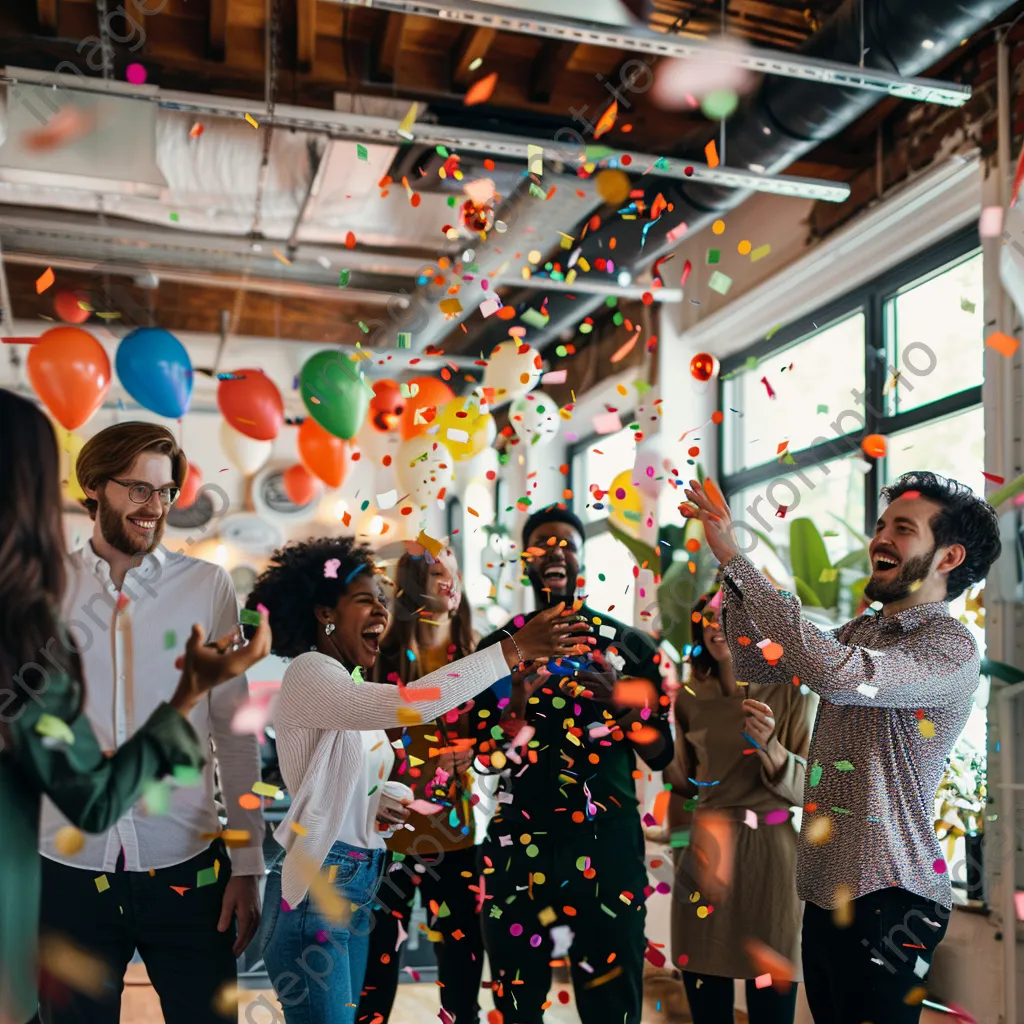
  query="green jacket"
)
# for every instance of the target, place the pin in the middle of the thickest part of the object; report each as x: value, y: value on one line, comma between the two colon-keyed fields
x: 92, y: 791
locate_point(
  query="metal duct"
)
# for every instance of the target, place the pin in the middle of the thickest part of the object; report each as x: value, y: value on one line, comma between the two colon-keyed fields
x: 784, y: 120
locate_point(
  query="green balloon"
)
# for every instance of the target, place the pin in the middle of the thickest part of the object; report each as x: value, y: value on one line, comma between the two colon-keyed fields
x: 335, y: 393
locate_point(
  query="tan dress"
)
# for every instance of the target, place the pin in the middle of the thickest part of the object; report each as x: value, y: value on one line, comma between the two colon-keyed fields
x: 735, y: 884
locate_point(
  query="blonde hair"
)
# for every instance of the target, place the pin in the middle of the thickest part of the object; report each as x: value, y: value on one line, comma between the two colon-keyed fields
x: 113, y: 451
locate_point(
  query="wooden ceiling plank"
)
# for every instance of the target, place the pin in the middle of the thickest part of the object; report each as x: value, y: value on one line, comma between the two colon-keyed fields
x: 306, y: 36
x: 46, y: 15
x: 218, y: 28
x: 474, y: 42
x: 385, y: 49
x: 552, y: 58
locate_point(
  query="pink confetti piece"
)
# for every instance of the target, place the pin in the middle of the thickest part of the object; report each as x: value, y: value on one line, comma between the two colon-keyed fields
x: 990, y: 224
x: 424, y: 807
x: 554, y: 377
x: 489, y: 307
x: 607, y: 423
x: 763, y: 981
x: 331, y: 567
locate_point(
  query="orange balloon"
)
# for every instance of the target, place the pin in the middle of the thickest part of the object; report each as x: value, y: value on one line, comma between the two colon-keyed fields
x: 386, y: 406
x: 873, y: 446
x: 190, y: 489
x: 65, y: 305
x: 299, y: 484
x: 323, y: 454
x: 70, y: 372
x: 422, y: 408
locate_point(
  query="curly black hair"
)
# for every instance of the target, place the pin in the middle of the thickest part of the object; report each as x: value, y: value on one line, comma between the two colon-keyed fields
x: 964, y: 519
x: 295, y: 582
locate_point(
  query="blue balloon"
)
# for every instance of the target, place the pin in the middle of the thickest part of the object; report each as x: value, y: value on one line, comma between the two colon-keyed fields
x: 156, y: 371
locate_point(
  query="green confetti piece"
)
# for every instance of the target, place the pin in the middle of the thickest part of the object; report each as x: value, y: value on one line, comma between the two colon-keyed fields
x: 610, y: 913
x: 841, y: 810
x: 55, y: 728
x: 680, y: 839
x: 611, y: 301
x: 444, y: 911
x: 174, y: 217
x: 102, y: 884
x: 404, y: 339
x: 207, y: 876
x: 363, y: 327
x: 750, y: 363
x: 186, y: 775
x: 816, y: 773
x: 451, y: 200
x: 771, y: 334
x: 534, y: 318
x: 249, y: 617
x: 617, y: 319
x: 344, y: 276
x: 843, y: 766
x: 357, y: 674
x: 714, y: 256
x: 561, y: 351
x: 760, y: 252
x: 823, y: 408
x: 170, y: 640
x: 690, y: 804
x: 601, y: 576
x: 365, y: 505
x: 967, y: 306
x: 536, y: 191
x: 661, y: 164
x: 156, y: 798
x: 372, y: 791
x: 642, y: 387
x: 361, y: 153
x: 558, y: 702
x: 441, y: 151
x: 720, y: 283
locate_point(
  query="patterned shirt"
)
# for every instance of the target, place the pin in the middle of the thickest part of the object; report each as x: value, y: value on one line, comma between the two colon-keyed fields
x: 896, y: 692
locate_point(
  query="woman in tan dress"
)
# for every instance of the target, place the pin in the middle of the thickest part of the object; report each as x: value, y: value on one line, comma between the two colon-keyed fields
x: 740, y: 761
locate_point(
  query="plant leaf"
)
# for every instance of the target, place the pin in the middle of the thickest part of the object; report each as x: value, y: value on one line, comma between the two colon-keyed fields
x: 638, y: 549
x: 808, y: 596
x: 810, y: 559
x: 859, y: 559
x: 857, y: 535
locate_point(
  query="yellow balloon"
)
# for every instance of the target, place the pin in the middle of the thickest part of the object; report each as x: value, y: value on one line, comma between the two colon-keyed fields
x: 625, y: 502
x: 464, y: 416
x: 69, y: 445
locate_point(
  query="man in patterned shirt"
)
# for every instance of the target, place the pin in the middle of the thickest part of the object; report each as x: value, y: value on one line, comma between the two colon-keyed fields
x: 896, y: 689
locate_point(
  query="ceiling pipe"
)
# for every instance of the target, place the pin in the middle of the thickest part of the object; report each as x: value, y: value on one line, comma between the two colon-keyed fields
x: 776, y: 126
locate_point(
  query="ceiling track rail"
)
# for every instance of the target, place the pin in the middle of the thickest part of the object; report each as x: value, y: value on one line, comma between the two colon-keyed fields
x: 340, y: 125
x: 640, y: 40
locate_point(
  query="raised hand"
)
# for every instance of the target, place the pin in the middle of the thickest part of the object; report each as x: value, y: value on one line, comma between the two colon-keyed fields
x: 707, y: 504
x: 204, y: 666
x: 553, y: 633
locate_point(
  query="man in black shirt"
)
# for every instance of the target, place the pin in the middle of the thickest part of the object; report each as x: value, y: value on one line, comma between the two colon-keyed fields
x: 565, y: 850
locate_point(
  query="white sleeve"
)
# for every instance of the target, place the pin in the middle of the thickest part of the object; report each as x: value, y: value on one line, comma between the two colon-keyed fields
x: 238, y: 754
x: 318, y: 693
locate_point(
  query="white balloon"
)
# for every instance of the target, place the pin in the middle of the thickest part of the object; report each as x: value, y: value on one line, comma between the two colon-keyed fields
x: 423, y: 468
x: 247, y: 454
x: 534, y: 418
x: 507, y: 367
x: 477, y: 468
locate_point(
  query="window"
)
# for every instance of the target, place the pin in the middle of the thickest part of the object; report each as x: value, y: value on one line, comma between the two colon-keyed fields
x: 598, y: 460
x: 806, y: 378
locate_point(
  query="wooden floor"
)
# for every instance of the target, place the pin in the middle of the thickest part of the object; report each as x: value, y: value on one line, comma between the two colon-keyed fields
x: 416, y: 1004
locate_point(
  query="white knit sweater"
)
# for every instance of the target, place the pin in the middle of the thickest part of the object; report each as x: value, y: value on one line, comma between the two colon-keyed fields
x: 319, y: 705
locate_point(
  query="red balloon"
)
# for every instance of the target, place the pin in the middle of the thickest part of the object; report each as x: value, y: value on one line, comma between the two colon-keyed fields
x: 65, y: 305
x: 190, y: 489
x: 300, y: 485
x: 323, y: 454
x: 432, y: 394
x: 386, y: 406
x: 70, y: 372
x: 252, y: 404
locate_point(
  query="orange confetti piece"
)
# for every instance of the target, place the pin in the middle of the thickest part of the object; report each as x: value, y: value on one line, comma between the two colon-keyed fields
x: 660, y: 808
x: 624, y: 350
x: 772, y: 652
x: 711, y: 153
x: 645, y: 734
x: 480, y: 92
x: 634, y: 693
x: 180, y: 889
x: 350, y: 240
x: 606, y: 120
x: 1002, y: 343
x: 249, y: 802
x: 44, y: 280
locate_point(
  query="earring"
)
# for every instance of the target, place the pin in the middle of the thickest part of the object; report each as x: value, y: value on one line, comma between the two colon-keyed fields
x: 329, y: 628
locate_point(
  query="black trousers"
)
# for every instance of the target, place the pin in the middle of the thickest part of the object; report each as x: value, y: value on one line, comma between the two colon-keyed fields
x: 188, y: 960
x: 460, y: 953
x: 594, y: 884
x: 711, y: 1001
x: 867, y: 970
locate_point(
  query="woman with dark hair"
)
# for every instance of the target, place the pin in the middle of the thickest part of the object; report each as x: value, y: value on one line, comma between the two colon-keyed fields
x: 432, y: 627
x: 740, y: 757
x: 330, y: 614
x: 46, y: 744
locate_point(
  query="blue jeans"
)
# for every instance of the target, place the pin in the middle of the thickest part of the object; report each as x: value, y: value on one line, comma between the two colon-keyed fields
x: 315, y: 965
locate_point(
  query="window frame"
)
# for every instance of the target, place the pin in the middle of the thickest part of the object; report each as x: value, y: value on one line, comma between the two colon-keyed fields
x: 602, y: 525
x: 870, y: 298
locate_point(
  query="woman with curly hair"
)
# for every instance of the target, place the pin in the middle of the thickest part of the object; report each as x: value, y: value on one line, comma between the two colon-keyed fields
x: 432, y: 627
x: 330, y: 612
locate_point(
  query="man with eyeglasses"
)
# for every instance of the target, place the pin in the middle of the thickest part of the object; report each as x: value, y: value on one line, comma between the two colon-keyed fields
x: 161, y: 881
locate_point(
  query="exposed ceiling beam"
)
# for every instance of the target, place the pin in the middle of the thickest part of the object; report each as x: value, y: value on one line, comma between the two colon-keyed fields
x: 46, y: 15
x: 473, y: 43
x: 642, y: 40
x: 306, y: 35
x: 217, y: 29
x: 385, y: 49
x: 552, y: 58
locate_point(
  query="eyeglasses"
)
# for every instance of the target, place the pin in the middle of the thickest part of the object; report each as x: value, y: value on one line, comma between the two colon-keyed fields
x: 140, y: 493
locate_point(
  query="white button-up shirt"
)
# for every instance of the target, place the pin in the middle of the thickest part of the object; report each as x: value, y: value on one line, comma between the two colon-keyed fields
x: 128, y: 641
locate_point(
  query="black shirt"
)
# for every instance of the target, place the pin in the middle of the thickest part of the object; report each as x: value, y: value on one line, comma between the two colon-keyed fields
x: 556, y: 787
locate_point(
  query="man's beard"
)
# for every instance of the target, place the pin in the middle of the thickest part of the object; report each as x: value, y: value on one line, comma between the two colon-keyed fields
x: 912, y: 571
x: 546, y: 595
x: 116, y: 532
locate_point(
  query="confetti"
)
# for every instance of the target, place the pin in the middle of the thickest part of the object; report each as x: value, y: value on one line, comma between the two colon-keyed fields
x: 44, y: 280
x: 405, y: 125
x: 990, y: 224
x: 711, y: 154
x: 535, y: 159
x: 266, y: 789
x: 607, y: 423
x: 720, y: 283
x: 1002, y: 343
x: 102, y: 884
x: 55, y: 728
x: 361, y: 152
x: 480, y: 92
x: 331, y: 567
x: 252, y: 120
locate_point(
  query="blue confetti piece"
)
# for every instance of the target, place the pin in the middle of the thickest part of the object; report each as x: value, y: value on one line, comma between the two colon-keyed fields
x: 696, y: 783
x: 750, y: 739
x: 697, y: 650
x: 643, y: 234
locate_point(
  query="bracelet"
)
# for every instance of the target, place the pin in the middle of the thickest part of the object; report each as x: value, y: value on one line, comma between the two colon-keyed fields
x: 514, y: 644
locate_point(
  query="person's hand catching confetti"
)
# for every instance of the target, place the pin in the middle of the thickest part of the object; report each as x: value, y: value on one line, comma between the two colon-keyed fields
x: 760, y: 727
x: 707, y: 504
